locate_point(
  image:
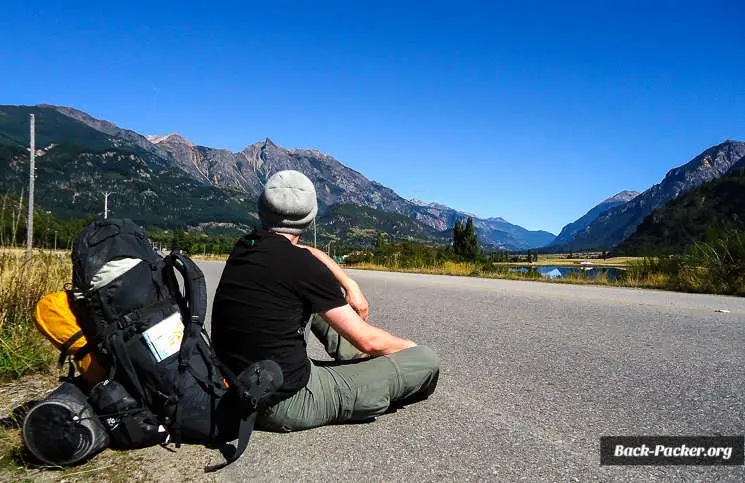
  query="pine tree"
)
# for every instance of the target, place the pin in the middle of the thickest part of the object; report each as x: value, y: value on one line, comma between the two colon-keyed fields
x: 471, y: 243
x: 458, y: 238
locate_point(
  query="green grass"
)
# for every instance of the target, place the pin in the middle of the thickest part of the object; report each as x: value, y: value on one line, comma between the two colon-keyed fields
x: 716, y: 266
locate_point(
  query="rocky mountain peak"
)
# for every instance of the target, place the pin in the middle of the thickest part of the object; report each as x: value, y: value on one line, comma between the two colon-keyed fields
x: 173, y: 138
x: 712, y: 163
x: 622, y: 197
x: 577, y: 226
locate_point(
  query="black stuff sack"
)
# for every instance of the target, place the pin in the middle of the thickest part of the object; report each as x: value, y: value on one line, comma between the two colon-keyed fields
x: 63, y: 429
x: 129, y: 423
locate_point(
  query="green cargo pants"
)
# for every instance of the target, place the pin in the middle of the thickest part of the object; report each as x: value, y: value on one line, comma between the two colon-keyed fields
x: 350, y: 389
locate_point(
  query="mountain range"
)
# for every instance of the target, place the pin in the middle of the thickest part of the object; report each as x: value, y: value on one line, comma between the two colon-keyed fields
x: 703, y: 213
x: 616, y: 224
x: 169, y: 181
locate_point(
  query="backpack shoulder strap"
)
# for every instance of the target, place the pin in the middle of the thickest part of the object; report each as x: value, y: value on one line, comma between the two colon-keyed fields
x: 193, y: 306
x: 194, y: 301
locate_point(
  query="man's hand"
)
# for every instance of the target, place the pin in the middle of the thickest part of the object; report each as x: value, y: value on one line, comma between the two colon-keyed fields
x: 357, y: 301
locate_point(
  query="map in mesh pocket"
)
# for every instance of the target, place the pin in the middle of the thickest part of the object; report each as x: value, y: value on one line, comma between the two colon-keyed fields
x: 164, y: 338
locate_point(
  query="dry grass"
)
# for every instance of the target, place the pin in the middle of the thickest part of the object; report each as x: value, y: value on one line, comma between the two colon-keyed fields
x: 209, y: 257
x: 447, y: 268
x: 23, y: 349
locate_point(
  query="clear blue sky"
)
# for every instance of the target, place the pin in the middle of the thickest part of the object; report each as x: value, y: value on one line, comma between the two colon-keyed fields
x: 533, y: 111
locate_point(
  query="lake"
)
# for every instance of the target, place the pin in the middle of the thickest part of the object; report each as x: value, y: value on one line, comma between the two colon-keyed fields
x: 548, y: 271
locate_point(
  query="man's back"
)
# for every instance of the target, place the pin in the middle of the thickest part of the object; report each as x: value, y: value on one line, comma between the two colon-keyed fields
x: 269, y: 289
x: 267, y: 292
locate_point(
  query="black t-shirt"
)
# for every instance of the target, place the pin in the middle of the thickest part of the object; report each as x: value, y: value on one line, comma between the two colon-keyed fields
x: 267, y: 292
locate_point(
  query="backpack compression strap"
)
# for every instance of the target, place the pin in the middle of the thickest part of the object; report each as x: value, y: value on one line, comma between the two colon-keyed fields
x: 258, y: 384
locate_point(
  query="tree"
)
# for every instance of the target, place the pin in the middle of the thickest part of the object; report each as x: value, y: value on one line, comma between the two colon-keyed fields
x: 379, y: 244
x: 471, y: 242
x: 465, y: 242
x: 458, y: 237
x: 179, y: 241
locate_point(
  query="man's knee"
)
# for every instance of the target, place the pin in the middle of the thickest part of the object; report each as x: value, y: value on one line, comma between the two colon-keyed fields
x: 427, y: 358
x: 419, y: 370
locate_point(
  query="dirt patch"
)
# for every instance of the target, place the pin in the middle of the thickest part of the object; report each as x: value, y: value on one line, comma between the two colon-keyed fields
x: 154, y: 464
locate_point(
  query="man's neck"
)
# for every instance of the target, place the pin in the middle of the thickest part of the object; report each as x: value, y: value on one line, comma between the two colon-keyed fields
x: 293, y: 238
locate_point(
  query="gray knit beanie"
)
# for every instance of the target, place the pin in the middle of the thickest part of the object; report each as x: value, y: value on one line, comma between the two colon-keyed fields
x: 288, y: 203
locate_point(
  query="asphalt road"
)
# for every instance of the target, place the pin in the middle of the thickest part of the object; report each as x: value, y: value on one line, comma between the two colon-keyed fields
x: 532, y: 375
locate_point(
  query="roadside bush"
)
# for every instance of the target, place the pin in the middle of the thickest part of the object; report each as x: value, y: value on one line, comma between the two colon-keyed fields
x: 656, y: 272
x: 717, y: 266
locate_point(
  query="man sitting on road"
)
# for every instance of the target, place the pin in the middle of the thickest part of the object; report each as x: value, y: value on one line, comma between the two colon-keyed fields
x: 270, y: 287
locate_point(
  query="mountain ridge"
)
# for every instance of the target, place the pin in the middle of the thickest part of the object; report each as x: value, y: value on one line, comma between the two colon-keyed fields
x: 704, y: 212
x: 247, y: 170
x: 585, y: 220
x: 616, y: 224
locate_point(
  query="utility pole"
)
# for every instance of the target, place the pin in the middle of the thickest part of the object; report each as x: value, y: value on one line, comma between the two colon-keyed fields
x: 106, y: 195
x: 55, y: 239
x: 31, y: 179
x: 314, y: 233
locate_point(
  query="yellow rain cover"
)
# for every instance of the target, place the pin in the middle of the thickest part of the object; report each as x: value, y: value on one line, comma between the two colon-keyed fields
x: 56, y: 321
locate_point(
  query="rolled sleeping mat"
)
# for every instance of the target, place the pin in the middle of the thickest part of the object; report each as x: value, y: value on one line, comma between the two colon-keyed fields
x: 63, y: 429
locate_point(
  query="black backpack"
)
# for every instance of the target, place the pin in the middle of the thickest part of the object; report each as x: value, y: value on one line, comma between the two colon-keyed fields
x: 151, y: 338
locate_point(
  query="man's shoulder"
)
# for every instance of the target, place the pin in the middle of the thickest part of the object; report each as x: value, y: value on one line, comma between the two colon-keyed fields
x: 304, y: 257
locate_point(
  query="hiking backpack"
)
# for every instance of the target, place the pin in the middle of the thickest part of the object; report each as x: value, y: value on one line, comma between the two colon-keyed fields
x: 149, y: 335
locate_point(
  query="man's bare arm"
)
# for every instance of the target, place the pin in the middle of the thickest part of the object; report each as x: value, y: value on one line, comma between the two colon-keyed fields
x: 354, y: 295
x: 365, y: 337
